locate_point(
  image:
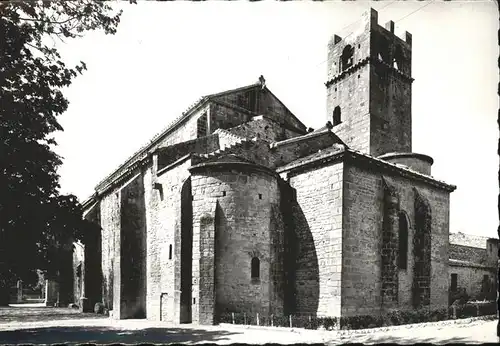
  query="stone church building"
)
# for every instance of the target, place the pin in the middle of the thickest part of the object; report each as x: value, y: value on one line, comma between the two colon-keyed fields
x: 238, y: 207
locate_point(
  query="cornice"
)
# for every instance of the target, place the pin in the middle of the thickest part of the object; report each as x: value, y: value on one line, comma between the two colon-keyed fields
x: 127, y: 173
x: 459, y: 263
x: 384, y: 166
x: 363, y: 62
x: 359, y: 158
x: 244, y: 167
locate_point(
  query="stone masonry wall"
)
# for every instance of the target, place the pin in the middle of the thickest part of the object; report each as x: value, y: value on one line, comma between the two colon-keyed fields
x: 390, y: 93
x: 170, y: 154
x: 163, y: 217
x: 363, y: 222
x: 245, y: 225
x: 263, y: 128
x: 186, y: 131
x: 317, y: 219
x: 225, y: 117
x: 471, y: 279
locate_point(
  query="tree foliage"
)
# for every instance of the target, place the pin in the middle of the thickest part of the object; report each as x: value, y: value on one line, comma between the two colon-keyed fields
x: 35, y: 220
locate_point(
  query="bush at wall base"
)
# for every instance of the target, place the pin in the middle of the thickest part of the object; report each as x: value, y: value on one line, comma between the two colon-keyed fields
x: 393, y: 318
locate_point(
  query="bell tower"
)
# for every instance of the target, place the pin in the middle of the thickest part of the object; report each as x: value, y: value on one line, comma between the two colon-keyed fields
x: 369, y: 88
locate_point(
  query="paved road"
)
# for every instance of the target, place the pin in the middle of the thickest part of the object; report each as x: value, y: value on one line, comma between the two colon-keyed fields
x: 60, y: 325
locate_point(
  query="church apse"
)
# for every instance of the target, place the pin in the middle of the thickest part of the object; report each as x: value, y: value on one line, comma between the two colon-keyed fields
x: 246, y: 235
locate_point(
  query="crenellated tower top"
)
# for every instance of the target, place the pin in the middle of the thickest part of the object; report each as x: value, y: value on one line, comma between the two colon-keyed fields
x: 369, y: 87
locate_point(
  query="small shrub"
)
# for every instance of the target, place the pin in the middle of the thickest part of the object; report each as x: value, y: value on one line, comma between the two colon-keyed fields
x: 329, y: 322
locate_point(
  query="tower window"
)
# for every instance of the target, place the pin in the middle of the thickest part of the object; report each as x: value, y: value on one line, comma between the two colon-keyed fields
x: 336, y: 116
x: 255, y: 268
x: 347, y: 57
x: 398, y: 60
x: 403, y: 240
x: 454, y: 282
x: 170, y: 252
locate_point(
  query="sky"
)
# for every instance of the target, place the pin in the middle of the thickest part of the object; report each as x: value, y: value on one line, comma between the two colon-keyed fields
x: 166, y: 55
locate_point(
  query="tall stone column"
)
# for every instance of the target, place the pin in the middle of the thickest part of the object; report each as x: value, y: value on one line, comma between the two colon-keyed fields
x: 421, y: 252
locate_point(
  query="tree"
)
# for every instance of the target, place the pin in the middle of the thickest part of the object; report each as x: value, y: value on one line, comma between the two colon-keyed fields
x: 35, y: 220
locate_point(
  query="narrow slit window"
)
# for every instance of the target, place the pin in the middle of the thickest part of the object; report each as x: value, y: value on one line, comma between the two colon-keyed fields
x: 337, y: 119
x: 255, y: 268
x: 454, y: 282
x: 170, y: 251
x: 403, y: 241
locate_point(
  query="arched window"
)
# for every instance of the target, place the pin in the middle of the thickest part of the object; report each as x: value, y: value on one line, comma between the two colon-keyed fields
x: 347, y: 58
x: 336, y: 116
x: 403, y: 240
x: 398, y: 60
x: 255, y: 268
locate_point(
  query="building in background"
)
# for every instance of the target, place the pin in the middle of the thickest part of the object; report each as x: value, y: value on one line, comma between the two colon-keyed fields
x: 474, y: 265
x: 238, y: 207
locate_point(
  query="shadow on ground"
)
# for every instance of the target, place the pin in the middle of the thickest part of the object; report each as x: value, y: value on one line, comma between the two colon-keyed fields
x: 406, y: 340
x: 36, y: 314
x: 106, y: 335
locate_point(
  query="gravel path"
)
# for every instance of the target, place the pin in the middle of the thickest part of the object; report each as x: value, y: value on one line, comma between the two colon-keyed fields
x: 40, y: 325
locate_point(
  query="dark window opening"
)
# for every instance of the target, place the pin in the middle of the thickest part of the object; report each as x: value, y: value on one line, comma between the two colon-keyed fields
x: 403, y: 241
x: 336, y: 116
x: 79, y: 270
x: 255, y: 268
x: 486, y: 283
x: 454, y: 282
x: 346, y: 59
x: 491, y: 247
x: 202, y: 125
x: 260, y: 196
x: 170, y: 251
x: 194, y: 300
x: 398, y: 60
x: 223, y: 193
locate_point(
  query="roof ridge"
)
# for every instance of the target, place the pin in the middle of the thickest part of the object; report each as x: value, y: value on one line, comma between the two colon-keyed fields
x: 152, y: 140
